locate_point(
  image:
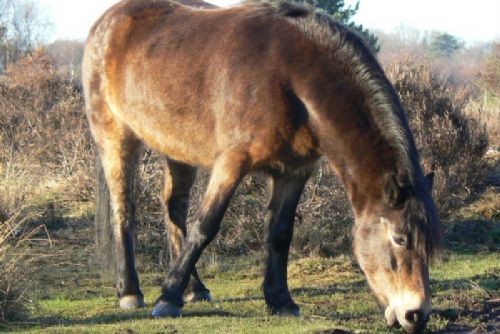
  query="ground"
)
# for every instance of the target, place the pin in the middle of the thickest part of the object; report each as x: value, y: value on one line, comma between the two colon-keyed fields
x: 332, y: 293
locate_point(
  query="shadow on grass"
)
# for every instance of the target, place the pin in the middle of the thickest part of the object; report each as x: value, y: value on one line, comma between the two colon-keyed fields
x: 484, y: 309
x: 344, y: 288
x: 489, y: 282
x: 118, y: 316
x: 351, y: 287
x: 241, y: 299
x: 486, y: 314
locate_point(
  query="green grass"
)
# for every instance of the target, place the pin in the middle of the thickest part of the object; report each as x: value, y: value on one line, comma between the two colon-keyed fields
x: 332, y: 294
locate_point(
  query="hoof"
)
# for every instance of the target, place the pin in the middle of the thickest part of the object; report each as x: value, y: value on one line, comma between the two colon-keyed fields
x: 166, y: 310
x: 195, y: 297
x: 132, y: 302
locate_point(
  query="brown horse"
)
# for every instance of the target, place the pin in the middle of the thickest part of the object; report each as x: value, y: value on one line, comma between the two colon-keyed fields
x: 260, y: 87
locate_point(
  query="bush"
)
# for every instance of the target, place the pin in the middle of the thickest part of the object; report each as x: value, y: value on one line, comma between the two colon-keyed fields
x: 449, y: 142
x: 44, y: 132
x: 45, y: 152
x: 17, y: 265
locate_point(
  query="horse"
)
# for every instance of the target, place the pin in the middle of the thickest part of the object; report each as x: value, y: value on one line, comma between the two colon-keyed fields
x: 267, y: 87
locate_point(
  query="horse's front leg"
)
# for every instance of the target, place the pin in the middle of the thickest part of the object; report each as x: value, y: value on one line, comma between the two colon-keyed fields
x: 286, y: 192
x: 227, y: 172
x: 179, y: 179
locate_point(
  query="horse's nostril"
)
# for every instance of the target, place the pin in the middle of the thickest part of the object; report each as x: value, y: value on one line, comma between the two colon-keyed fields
x: 414, y: 316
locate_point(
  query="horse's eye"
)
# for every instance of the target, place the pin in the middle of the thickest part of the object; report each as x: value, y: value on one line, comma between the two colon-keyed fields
x: 400, y: 240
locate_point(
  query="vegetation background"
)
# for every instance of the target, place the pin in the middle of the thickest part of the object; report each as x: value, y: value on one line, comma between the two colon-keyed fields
x: 49, y: 273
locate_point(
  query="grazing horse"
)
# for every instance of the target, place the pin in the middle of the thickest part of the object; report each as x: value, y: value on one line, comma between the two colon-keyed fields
x: 267, y: 87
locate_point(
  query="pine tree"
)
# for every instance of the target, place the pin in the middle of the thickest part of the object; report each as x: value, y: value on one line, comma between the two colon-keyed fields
x: 444, y: 45
x: 340, y: 12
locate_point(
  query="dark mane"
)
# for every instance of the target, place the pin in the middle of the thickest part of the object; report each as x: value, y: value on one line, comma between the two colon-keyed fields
x: 422, y: 223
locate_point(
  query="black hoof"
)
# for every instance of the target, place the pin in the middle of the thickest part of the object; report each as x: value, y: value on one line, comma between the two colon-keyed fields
x: 166, y: 310
x: 200, y: 296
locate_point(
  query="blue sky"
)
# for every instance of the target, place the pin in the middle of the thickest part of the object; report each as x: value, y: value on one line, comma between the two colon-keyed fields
x: 470, y: 20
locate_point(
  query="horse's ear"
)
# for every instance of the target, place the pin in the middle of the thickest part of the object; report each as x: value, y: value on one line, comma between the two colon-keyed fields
x: 394, y: 195
x: 430, y: 179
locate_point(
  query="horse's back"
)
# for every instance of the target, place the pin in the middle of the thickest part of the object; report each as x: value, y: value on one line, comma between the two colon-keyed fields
x: 191, y: 83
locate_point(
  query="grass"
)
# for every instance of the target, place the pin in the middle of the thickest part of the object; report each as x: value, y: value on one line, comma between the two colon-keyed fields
x: 332, y: 294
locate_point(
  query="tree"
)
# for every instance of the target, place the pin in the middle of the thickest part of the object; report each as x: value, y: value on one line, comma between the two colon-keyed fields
x: 340, y: 12
x: 444, y: 45
x: 68, y: 56
x: 22, y: 27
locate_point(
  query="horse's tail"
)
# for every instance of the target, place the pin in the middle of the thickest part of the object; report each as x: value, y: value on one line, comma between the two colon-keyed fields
x: 103, y: 225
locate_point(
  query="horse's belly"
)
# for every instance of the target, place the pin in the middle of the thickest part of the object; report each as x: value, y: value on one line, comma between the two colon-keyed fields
x: 172, y: 133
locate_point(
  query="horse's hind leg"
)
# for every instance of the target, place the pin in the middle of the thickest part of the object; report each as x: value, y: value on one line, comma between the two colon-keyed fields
x: 179, y: 179
x: 285, y: 196
x: 118, y: 152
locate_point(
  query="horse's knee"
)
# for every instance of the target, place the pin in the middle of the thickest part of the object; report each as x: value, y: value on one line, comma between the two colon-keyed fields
x: 203, y: 233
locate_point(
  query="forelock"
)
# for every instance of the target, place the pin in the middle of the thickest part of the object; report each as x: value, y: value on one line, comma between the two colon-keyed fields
x: 422, y: 225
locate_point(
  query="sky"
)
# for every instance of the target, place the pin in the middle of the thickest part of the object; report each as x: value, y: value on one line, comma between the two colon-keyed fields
x: 472, y: 21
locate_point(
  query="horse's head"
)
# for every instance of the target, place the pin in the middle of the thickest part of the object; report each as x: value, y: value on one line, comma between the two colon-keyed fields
x: 393, y: 244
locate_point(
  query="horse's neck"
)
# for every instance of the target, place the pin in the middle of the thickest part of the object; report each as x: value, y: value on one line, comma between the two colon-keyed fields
x: 363, y: 180
x: 360, y: 156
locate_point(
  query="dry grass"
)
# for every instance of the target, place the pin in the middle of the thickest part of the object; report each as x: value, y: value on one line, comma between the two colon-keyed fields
x: 487, y: 206
x: 47, y: 158
x: 17, y: 264
x: 486, y: 110
x: 43, y: 129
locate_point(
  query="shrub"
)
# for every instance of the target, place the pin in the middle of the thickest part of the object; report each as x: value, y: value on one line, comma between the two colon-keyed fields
x: 43, y: 129
x: 45, y: 161
x: 16, y: 265
x: 489, y: 81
